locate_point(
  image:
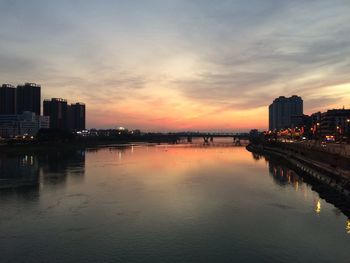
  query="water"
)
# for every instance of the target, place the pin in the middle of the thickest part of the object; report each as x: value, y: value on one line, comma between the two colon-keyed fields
x: 163, y: 204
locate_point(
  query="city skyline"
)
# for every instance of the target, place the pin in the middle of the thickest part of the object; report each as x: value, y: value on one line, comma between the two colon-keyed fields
x: 179, y: 65
x: 20, y: 112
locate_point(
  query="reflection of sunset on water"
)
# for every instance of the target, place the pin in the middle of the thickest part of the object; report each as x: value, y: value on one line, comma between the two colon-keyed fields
x: 175, y: 164
x: 175, y: 159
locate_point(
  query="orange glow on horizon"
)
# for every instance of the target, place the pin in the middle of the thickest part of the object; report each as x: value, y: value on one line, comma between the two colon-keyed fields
x: 148, y: 121
x: 167, y: 115
x: 166, y: 109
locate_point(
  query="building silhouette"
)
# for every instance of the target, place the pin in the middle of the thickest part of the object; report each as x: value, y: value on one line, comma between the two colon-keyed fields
x: 27, y: 123
x: 29, y: 98
x: 281, y: 111
x: 20, y: 112
x: 57, y: 110
x: 76, y: 116
x: 64, y: 116
x: 8, y: 99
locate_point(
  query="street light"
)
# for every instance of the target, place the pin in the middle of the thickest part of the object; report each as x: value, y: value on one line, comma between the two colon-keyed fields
x: 348, y: 129
x: 317, y: 131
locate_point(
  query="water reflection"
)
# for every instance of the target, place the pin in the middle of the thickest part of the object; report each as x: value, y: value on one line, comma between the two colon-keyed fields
x: 348, y: 227
x: 318, y: 207
x: 284, y: 176
x: 57, y: 166
x: 40, y: 169
x: 256, y: 156
x: 18, y: 170
x: 165, y: 204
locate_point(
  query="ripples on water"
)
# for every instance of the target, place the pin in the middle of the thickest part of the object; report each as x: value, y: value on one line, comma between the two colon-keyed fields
x: 184, y: 203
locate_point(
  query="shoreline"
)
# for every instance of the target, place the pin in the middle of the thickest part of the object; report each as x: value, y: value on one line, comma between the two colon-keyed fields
x: 78, y: 144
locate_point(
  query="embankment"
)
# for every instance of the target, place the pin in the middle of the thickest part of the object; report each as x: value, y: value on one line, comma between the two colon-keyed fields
x: 328, y: 174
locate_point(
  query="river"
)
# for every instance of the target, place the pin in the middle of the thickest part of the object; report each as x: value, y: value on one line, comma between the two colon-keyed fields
x: 163, y: 203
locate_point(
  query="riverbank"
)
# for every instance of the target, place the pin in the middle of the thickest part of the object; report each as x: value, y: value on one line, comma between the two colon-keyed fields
x: 54, y: 145
x: 328, y: 174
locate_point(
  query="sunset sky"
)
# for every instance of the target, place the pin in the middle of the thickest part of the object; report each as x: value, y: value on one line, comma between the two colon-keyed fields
x: 179, y: 64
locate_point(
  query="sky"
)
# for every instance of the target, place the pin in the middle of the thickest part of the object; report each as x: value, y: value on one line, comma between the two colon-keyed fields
x: 171, y: 65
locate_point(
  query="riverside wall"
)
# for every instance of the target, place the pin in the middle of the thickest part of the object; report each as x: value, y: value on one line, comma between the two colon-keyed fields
x: 328, y: 173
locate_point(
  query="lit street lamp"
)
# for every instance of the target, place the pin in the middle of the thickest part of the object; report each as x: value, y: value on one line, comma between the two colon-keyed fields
x: 317, y: 132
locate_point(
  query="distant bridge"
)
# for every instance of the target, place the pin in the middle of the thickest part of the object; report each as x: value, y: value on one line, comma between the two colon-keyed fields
x: 209, y: 137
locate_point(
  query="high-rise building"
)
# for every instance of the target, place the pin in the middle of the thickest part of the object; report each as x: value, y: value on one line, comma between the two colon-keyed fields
x: 29, y: 98
x: 281, y: 111
x: 76, y: 116
x: 7, y: 99
x: 57, y: 110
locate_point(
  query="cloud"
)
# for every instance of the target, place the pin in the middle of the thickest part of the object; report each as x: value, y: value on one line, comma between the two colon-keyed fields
x: 239, y: 90
x: 282, y: 55
x: 195, y: 57
x: 315, y: 104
